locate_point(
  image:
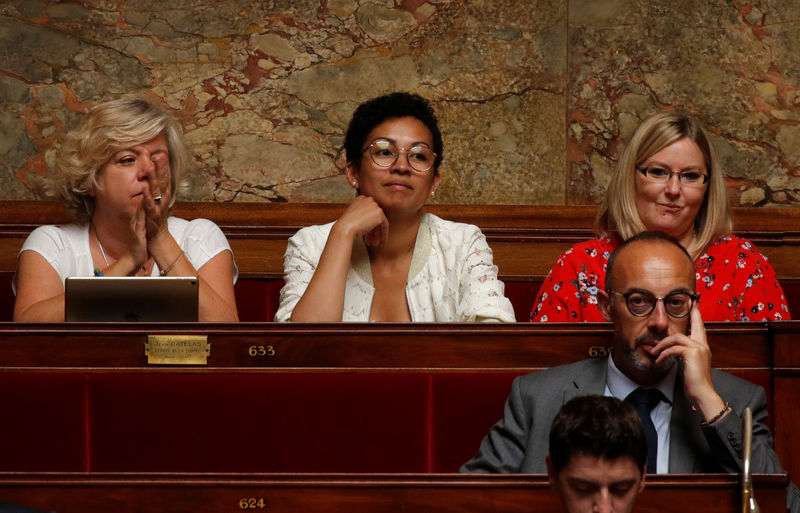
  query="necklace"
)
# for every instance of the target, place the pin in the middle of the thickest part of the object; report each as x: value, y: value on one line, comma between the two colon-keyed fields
x: 102, y: 251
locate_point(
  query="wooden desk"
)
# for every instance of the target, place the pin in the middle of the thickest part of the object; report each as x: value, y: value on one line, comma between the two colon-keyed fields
x: 354, y: 347
x: 526, y: 240
x: 299, y: 397
x: 698, y: 493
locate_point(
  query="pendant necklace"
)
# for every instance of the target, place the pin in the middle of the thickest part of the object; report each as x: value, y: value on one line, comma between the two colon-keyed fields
x: 102, y: 251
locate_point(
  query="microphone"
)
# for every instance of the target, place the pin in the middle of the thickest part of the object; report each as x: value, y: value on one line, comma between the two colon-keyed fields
x: 749, y: 504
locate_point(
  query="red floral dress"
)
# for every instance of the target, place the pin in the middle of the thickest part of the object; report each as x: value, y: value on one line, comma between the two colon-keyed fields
x: 735, y: 282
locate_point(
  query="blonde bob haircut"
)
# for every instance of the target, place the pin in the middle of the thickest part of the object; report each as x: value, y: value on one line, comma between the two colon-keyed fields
x: 618, y: 216
x: 107, y: 128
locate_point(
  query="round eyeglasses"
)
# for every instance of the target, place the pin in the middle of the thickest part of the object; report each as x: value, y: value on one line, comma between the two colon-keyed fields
x: 642, y: 303
x: 687, y: 178
x: 384, y: 153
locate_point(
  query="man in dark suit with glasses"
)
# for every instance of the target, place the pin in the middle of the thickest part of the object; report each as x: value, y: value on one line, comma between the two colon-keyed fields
x: 660, y: 364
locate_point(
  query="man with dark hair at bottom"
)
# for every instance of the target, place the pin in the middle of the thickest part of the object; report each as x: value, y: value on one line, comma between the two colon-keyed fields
x: 597, y: 456
x: 660, y: 362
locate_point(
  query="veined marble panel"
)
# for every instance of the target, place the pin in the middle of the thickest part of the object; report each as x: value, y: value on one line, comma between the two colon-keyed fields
x: 265, y: 89
x: 734, y: 64
x: 535, y: 97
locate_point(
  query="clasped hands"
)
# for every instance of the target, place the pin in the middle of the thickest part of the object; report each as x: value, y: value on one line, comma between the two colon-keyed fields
x: 149, y: 222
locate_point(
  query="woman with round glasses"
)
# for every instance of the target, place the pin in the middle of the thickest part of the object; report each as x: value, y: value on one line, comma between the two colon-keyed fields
x: 667, y: 178
x: 384, y: 259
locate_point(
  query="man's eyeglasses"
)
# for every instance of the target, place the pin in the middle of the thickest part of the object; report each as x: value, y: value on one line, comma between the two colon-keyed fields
x: 642, y: 303
x: 384, y: 153
x: 661, y: 175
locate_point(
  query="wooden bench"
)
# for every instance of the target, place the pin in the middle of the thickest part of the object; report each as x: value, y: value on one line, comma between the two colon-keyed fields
x: 145, y: 493
x: 526, y: 241
x: 308, y: 398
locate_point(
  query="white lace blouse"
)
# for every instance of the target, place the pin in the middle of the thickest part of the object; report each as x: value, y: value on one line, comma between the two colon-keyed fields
x: 451, y: 279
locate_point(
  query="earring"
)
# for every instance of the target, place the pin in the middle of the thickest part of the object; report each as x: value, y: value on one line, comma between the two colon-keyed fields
x: 354, y: 183
x: 433, y: 193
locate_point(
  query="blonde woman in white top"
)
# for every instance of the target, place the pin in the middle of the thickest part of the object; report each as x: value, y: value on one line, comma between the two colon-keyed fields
x: 118, y: 173
x: 384, y: 259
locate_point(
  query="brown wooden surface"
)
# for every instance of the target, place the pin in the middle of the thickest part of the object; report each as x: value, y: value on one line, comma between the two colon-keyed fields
x: 700, y: 493
x: 526, y: 239
x: 787, y: 345
x: 786, y: 386
x: 453, y: 346
x: 757, y: 351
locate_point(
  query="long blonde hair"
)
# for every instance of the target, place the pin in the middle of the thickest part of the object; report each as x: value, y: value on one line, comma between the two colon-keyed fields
x: 106, y: 128
x: 618, y: 216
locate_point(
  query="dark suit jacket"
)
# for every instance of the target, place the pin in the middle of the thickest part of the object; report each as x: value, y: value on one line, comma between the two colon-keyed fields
x: 519, y: 442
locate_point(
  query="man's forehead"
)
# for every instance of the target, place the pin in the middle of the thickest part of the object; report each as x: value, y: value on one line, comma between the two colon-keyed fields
x: 589, y: 468
x: 644, y: 262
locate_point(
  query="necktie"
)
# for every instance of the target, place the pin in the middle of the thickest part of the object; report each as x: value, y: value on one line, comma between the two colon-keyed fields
x: 644, y: 400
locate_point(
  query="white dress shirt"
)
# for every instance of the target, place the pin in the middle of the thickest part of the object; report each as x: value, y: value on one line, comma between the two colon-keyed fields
x: 619, y: 385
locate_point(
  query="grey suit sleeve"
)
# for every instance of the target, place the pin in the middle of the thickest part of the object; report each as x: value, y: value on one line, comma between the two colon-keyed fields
x: 503, y: 449
x: 725, y: 436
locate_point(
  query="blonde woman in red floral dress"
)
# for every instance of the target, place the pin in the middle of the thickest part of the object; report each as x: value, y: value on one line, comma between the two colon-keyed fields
x: 668, y: 178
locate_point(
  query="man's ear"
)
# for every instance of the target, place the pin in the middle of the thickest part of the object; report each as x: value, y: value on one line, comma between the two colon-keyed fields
x: 641, y: 482
x: 604, y: 304
x: 551, y: 475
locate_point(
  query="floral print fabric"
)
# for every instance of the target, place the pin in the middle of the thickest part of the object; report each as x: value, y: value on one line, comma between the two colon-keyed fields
x: 735, y: 282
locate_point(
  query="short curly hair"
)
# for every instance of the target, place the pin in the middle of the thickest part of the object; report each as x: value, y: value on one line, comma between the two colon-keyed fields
x: 106, y: 128
x: 373, y: 112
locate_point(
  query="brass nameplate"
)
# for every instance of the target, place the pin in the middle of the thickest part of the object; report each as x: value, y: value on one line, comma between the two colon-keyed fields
x: 177, y: 349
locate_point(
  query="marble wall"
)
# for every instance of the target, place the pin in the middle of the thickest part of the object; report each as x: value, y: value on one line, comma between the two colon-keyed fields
x: 535, y: 97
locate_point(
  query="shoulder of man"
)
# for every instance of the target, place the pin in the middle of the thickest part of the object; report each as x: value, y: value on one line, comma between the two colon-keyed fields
x: 739, y: 392
x: 588, y: 371
x: 720, y: 377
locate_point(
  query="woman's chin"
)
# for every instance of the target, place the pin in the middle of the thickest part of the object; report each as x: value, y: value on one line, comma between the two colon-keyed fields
x: 398, y: 205
x: 672, y: 229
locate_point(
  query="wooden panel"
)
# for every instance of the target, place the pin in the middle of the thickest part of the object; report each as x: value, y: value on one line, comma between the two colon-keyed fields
x: 44, y: 422
x: 787, y: 419
x: 526, y: 239
x: 34, y: 213
x: 441, y: 356
x: 353, y: 346
x: 787, y: 346
x: 786, y: 386
x: 259, y: 422
x: 700, y: 493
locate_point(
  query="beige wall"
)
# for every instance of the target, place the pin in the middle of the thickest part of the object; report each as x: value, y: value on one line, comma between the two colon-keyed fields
x: 534, y: 97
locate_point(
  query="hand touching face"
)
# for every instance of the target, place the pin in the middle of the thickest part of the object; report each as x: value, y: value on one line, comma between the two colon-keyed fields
x: 658, y: 268
x: 132, y: 175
